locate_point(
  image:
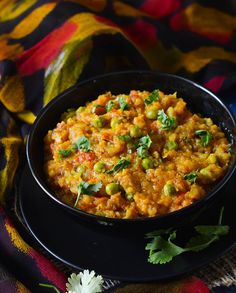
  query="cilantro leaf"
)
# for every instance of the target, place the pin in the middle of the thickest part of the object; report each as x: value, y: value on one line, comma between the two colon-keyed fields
x: 122, y: 164
x: 154, y: 96
x: 167, y: 123
x: 200, y: 242
x: 191, y: 177
x: 123, y: 104
x: 87, y: 188
x: 144, y: 144
x: 83, y: 144
x: 145, y: 141
x: 64, y: 153
x: 109, y: 105
x: 142, y: 152
x: 205, y: 136
x: 162, y: 249
x: 124, y: 137
x: 217, y: 230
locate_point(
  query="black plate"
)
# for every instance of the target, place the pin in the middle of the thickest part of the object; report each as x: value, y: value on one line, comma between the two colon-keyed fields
x: 113, y: 255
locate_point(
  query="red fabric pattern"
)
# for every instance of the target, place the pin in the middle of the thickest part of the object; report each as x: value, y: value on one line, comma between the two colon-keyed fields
x: 160, y: 8
x: 43, y: 53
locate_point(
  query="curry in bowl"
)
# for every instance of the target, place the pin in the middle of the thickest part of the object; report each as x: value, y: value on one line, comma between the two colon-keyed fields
x: 135, y: 155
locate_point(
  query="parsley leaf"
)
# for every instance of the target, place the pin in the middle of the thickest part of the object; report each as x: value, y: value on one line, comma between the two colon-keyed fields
x: 162, y: 249
x: 167, y: 123
x: 154, y: 96
x: 122, y: 164
x: 87, y: 188
x: 109, y: 105
x: 124, y: 137
x: 123, y: 104
x: 205, y: 136
x: 83, y: 144
x: 191, y: 177
x: 144, y: 144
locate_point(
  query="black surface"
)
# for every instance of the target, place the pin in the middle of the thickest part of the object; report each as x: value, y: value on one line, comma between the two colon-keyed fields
x: 198, y: 99
x: 114, y: 255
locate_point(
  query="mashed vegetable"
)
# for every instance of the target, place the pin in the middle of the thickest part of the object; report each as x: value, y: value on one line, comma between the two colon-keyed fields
x: 138, y: 155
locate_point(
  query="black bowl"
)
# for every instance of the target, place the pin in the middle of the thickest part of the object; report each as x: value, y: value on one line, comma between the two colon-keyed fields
x: 199, y: 100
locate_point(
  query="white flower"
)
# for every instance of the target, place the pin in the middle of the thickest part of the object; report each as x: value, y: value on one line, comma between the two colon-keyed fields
x: 84, y: 282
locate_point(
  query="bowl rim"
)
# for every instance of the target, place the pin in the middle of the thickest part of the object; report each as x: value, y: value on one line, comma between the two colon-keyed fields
x: 107, y: 220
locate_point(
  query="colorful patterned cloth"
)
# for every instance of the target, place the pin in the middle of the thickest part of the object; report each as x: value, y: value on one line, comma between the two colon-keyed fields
x: 47, y: 46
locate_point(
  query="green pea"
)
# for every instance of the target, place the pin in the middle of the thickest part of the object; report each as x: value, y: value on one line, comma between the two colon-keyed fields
x: 147, y: 163
x: 98, y: 122
x: 169, y: 189
x: 152, y: 113
x: 115, y: 122
x: 80, y: 170
x: 135, y: 131
x: 99, y: 167
x: 205, y: 172
x: 129, y: 196
x: 80, y: 109
x: 171, y: 145
x: 112, y: 188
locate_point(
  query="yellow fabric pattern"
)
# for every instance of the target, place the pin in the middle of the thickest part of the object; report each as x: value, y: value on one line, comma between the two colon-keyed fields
x: 21, y: 288
x: 34, y: 18
x: 16, y: 239
x: 204, y: 19
x: 26, y: 116
x: 8, y: 51
x: 12, y: 93
x: 65, y: 70
x: 12, y: 9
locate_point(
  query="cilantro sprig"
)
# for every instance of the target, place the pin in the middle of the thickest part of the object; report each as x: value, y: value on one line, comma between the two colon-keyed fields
x: 122, y: 164
x: 83, y: 144
x: 144, y: 144
x: 191, y: 177
x: 167, y: 122
x: 162, y: 249
x: 87, y: 188
x: 126, y: 138
x: 123, y: 104
x: 109, y: 105
x: 205, y: 136
x: 65, y: 153
x: 154, y: 96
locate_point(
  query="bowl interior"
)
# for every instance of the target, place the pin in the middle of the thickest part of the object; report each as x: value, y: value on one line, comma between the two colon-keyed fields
x: 199, y: 100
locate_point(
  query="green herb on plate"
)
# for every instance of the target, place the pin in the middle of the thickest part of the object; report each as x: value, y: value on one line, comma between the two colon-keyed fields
x: 162, y: 249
